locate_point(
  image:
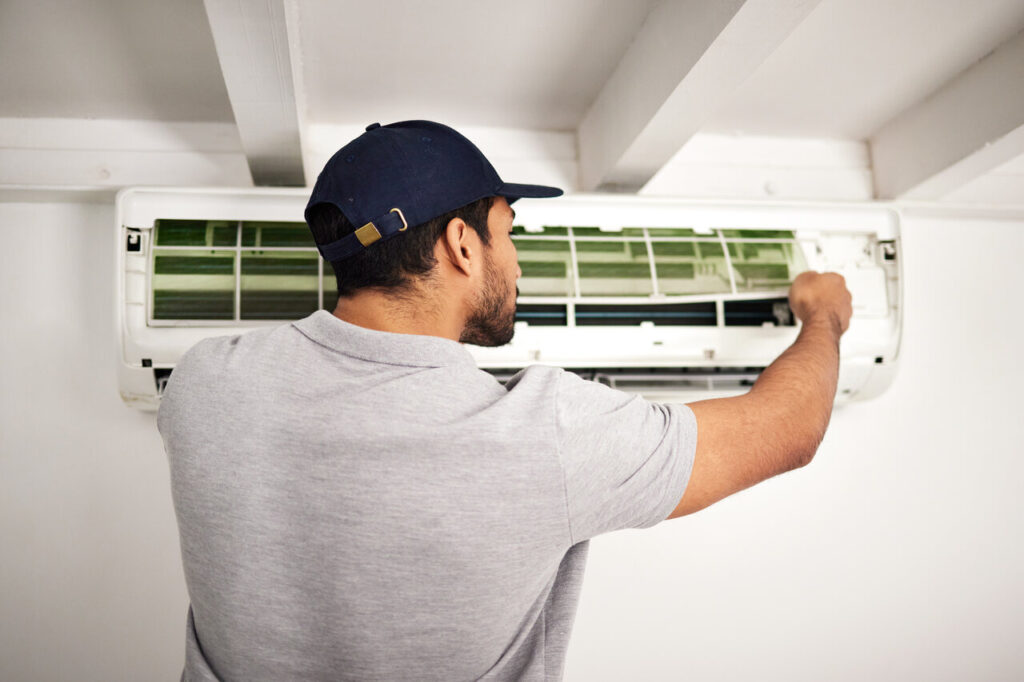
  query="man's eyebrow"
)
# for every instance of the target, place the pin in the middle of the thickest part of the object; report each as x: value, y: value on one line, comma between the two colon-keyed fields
x: 513, y: 212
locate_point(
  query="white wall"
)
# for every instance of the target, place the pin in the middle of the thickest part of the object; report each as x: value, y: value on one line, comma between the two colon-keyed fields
x: 91, y: 579
x: 895, y: 555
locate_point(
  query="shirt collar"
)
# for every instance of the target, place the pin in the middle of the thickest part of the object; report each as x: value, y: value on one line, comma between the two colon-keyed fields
x: 416, y: 350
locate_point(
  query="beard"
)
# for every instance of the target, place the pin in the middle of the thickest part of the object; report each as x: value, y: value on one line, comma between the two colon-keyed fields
x: 492, y: 320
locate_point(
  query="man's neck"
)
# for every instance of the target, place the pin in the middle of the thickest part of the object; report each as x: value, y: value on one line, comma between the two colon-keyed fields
x: 381, y: 312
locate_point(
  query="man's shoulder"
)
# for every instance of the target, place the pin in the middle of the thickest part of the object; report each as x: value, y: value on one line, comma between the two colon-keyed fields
x: 217, y: 348
x: 535, y: 377
x: 567, y: 384
x: 570, y: 392
x: 216, y: 365
x: 215, y: 358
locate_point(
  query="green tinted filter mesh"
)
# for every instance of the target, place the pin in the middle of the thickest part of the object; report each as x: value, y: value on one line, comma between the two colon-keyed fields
x: 193, y: 305
x: 278, y: 234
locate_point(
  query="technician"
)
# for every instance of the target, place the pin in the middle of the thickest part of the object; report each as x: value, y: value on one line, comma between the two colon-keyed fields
x: 358, y: 501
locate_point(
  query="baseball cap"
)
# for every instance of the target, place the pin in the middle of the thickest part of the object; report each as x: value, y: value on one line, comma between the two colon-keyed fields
x: 403, y: 174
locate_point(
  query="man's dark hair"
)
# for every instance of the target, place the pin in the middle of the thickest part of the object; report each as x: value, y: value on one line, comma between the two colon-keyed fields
x: 392, y: 264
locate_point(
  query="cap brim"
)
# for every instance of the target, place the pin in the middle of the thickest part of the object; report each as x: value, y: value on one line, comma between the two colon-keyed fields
x: 512, y: 191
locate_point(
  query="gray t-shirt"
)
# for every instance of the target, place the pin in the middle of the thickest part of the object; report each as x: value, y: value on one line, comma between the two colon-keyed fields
x: 363, y: 505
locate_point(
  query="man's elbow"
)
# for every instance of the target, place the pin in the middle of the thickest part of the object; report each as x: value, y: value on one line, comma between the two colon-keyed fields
x: 804, y: 451
x: 803, y: 457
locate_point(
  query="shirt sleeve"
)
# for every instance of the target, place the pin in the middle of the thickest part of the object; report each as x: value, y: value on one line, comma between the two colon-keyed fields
x: 626, y: 460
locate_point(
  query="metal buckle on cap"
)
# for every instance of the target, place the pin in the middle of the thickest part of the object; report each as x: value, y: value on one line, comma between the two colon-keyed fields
x: 367, y: 234
x: 405, y: 225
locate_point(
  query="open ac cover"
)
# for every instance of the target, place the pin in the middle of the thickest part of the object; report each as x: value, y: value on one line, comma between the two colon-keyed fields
x: 675, y: 300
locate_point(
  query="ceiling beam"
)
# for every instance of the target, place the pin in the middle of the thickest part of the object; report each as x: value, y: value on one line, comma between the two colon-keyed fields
x: 687, y: 59
x: 969, y: 126
x: 254, y: 49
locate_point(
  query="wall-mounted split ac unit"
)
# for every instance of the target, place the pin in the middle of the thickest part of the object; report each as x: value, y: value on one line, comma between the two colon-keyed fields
x: 675, y: 300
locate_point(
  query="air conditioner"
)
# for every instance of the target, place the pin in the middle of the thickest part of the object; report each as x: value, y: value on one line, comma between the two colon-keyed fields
x: 675, y: 300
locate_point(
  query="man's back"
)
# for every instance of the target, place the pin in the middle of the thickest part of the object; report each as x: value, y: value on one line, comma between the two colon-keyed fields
x: 356, y: 504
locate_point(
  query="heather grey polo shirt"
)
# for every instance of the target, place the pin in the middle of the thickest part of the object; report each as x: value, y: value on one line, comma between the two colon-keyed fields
x: 362, y: 505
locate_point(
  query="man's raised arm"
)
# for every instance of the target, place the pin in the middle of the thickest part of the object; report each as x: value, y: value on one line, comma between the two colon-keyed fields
x: 779, y: 424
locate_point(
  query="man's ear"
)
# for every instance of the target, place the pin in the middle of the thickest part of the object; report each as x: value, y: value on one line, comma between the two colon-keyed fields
x: 458, y: 245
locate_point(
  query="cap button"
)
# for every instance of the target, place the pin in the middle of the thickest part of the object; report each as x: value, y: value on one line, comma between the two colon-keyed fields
x: 372, y: 126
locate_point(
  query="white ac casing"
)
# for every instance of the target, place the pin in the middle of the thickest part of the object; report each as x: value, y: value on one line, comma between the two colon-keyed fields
x: 661, y: 362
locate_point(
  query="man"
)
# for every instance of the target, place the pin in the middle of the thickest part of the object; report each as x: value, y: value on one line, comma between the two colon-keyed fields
x: 358, y: 501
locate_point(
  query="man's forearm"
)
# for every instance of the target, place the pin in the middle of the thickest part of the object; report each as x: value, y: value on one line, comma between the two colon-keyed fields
x: 778, y: 425
x: 800, y: 386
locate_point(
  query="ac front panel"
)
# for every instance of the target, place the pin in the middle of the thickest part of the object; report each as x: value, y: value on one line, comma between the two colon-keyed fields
x: 650, y: 287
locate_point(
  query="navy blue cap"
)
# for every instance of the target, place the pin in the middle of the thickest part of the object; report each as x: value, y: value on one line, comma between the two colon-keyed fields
x: 403, y: 174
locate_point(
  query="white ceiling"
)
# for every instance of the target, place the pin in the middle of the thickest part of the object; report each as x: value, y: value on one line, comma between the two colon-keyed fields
x: 119, y: 59
x: 855, y: 64
x: 848, y: 69
x: 529, y: 64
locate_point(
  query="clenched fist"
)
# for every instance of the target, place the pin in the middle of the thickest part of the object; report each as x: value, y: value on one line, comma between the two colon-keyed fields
x: 816, y: 293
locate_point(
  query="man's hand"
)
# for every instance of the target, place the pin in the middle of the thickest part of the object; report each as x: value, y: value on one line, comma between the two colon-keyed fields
x: 814, y: 294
